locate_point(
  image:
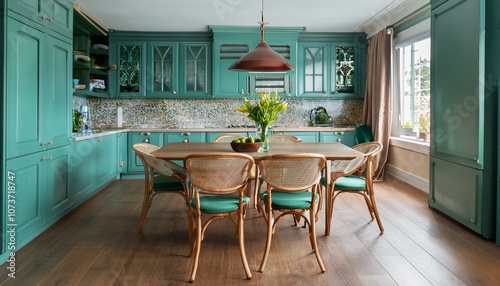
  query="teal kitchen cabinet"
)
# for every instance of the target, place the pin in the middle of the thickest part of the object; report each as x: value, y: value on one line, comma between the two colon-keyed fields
x: 305, y: 136
x: 212, y: 135
x: 42, y: 185
x: 107, y: 159
x: 134, y: 163
x: 38, y: 89
x: 344, y: 137
x: 94, y: 72
x: 332, y: 65
x: 464, y: 111
x: 129, y: 80
x: 185, y: 137
x: 230, y: 43
x: 178, y: 70
x: 56, y: 15
x: 121, y: 142
x: 95, y: 164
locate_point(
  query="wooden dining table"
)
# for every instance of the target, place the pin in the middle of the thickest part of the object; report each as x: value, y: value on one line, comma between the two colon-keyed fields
x: 331, y: 151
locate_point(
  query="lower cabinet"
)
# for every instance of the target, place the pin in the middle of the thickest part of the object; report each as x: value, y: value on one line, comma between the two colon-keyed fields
x: 134, y: 163
x: 344, y: 137
x: 39, y: 191
x: 95, y: 163
x: 186, y: 137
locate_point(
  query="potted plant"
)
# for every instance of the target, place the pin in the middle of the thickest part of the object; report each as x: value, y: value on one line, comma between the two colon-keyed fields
x: 263, y: 113
x: 424, y: 126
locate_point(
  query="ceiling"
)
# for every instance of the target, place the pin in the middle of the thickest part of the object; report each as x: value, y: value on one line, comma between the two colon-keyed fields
x: 197, y: 15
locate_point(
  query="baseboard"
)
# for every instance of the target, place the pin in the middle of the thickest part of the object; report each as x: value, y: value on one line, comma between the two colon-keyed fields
x: 406, y: 177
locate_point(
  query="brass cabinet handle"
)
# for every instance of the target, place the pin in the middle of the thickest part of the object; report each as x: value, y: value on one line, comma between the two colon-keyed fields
x: 145, y: 133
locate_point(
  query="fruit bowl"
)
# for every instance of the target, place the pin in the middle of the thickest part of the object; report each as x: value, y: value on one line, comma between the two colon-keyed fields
x: 245, y: 147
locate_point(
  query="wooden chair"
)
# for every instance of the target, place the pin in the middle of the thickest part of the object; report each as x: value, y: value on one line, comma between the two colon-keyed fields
x: 160, y: 176
x: 213, y: 180
x: 228, y: 137
x: 293, y: 188
x: 355, y: 176
x: 284, y: 138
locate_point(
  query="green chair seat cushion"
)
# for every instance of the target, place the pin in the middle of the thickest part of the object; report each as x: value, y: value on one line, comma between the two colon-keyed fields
x: 289, y: 200
x: 218, y: 204
x: 167, y: 184
x: 350, y: 182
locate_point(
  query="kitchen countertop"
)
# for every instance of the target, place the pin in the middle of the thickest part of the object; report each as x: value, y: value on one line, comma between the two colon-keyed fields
x: 115, y: 130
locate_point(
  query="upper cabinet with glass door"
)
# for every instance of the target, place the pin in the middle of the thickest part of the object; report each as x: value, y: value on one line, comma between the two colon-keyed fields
x: 332, y: 65
x: 161, y: 65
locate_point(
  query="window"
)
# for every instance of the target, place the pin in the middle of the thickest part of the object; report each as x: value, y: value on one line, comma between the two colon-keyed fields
x: 412, y: 91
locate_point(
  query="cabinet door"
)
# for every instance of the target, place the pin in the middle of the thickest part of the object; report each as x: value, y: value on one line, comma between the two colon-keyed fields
x: 134, y: 163
x: 122, y: 152
x: 164, y: 76
x: 455, y: 190
x: 313, y: 69
x: 129, y: 79
x: 56, y: 15
x: 56, y: 100
x: 107, y: 159
x: 29, y: 195
x: 344, y: 137
x: 229, y: 83
x: 457, y: 82
x: 83, y: 169
x: 58, y: 190
x: 24, y: 85
x: 195, y: 70
x: 185, y: 137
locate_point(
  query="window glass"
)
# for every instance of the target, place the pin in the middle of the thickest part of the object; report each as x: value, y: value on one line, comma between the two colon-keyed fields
x: 413, y: 91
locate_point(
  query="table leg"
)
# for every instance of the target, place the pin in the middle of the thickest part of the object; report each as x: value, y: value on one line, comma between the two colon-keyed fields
x: 327, y: 196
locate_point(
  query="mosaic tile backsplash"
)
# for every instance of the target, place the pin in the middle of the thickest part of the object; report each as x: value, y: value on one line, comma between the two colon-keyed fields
x: 208, y: 113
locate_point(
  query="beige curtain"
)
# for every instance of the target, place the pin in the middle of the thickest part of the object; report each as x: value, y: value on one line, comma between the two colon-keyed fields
x: 377, y: 111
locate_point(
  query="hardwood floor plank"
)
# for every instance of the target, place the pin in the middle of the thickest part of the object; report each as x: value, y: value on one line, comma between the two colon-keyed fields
x: 98, y: 243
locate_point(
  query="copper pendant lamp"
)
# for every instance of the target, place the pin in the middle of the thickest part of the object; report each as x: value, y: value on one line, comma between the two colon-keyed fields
x: 262, y: 58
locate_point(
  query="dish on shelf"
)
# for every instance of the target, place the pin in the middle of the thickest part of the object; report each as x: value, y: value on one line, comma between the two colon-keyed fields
x: 99, y: 68
x: 80, y: 86
x: 82, y: 57
x: 77, y: 52
x: 100, y: 46
x: 112, y: 67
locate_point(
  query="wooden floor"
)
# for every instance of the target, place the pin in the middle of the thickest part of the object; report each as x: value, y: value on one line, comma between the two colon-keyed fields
x: 98, y: 244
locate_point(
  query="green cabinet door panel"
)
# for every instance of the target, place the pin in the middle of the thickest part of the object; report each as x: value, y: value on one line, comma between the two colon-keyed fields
x: 57, y: 101
x: 129, y: 80
x: 107, y: 159
x: 134, y: 163
x: 83, y: 169
x: 312, y: 72
x: 56, y: 15
x: 29, y: 197
x: 122, y: 152
x: 185, y: 137
x: 38, y: 91
x: 163, y: 69
x: 457, y: 73
x: 344, y: 137
x: 456, y: 190
x: 59, y: 184
x: 43, y: 184
x: 25, y: 61
x: 196, y: 70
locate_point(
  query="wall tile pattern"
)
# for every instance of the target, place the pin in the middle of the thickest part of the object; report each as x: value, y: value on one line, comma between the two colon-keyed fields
x: 210, y: 113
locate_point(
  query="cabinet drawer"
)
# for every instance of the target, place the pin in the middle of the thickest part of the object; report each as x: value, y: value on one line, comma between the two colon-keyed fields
x: 134, y: 163
x: 344, y: 137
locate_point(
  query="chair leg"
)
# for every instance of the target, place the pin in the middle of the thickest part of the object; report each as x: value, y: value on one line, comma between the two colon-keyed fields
x: 269, y: 237
x: 146, y: 204
x: 329, y: 207
x: 375, y: 211
x: 197, y: 249
x: 312, y: 238
x: 241, y: 242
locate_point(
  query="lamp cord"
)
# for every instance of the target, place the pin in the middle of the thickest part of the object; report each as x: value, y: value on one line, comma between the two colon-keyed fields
x: 262, y: 23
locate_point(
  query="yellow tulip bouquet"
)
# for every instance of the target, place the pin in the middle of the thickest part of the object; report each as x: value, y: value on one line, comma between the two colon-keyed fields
x: 263, y: 113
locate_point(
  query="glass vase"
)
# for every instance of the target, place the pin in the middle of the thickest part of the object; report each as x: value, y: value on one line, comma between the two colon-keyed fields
x: 263, y: 135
